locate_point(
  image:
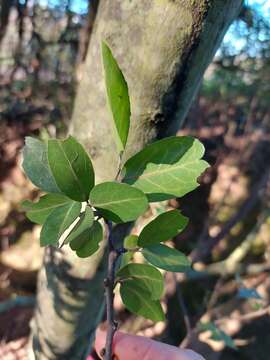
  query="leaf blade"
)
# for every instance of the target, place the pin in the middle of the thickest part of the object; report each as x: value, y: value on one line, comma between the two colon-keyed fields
x: 71, y: 167
x: 88, y: 244
x: 85, y: 223
x: 117, y: 94
x: 164, y: 227
x: 118, y: 202
x: 37, y: 212
x: 36, y: 167
x: 149, y: 277
x: 166, y: 258
x: 57, y: 222
x: 167, y: 168
x: 137, y: 301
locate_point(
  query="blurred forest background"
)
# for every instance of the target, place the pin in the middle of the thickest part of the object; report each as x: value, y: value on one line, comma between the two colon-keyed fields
x: 42, y: 49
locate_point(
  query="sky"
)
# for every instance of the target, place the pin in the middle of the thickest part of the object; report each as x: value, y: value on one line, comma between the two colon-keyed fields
x: 231, y: 39
x: 80, y: 6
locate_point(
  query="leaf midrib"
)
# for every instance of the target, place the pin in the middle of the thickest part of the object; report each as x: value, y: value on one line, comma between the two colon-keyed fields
x: 166, y: 170
x: 117, y: 201
x: 61, y: 230
x: 72, y: 170
x: 49, y: 207
x: 142, y: 300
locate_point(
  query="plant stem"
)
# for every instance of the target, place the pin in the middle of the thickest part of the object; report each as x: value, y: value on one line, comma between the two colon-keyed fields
x: 109, y: 283
x: 183, y: 307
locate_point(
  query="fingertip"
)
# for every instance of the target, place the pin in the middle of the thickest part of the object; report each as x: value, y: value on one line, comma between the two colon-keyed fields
x: 193, y: 355
x: 100, y: 340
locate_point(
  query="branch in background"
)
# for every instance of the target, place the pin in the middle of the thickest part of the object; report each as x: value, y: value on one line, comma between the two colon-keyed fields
x: 87, y: 29
x: 204, y: 249
x: 183, y: 308
x: 233, y: 263
x: 245, y: 317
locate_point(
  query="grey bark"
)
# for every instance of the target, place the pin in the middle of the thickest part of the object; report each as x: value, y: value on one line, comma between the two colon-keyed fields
x: 163, y: 48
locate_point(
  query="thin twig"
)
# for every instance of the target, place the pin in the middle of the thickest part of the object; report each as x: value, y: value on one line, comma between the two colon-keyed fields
x: 183, y: 307
x: 109, y: 283
x: 245, y: 317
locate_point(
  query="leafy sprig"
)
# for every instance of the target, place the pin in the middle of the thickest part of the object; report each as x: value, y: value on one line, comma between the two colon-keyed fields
x: 75, y: 209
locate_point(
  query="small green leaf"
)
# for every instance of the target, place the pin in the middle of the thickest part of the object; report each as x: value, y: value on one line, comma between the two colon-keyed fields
x: 130, y: 242
x: 164, y: 227
x: 57, y: 222
x: 38, y: 212
x: 167, y: 168
x: 118, y: 202
x: 217, y: 334
x: 36, y: 167
x: 71, y: 167
x: 84, y: 225
x: 126, y: 258
x: 88, y: 243
x: 149, y: 277
x: 166, y: 258
x: 138, y: 301
x: 118, y: 98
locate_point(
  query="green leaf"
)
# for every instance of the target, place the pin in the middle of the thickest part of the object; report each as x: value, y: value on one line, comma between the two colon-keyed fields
x: 84, y: 225
x: 36, y: 167
x: 126, y: 258
x: 138, y: 301
x: 217, y: 334
x: 38, y: 212
x: 166, y: 258
x: 164, y: 227
x: 71, y: 167
x: 166, y: 169
x: 149, y: 278
x: 57, y: 222
x: 117, y: 93
x: 88, y: 243
x: 118, y: 202
x: 130, y: 242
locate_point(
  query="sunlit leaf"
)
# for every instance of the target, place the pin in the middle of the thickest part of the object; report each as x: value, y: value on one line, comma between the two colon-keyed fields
x: 71, y: 168
x: 139, y: 301
x: 37, y: 212
x: 118, y: 202
x: 166, y: 258
x: 130, y: 243
x: 164, y: 227
x: 57, y: 222
x: 36, y: 167
x: 167, y: 168
x: 118, y: 98
x: 84, y: 225
x: 149, y: 277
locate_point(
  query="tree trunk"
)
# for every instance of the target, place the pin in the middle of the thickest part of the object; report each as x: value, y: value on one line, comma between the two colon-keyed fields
x: 4, y: 16
x: 163, y: 48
